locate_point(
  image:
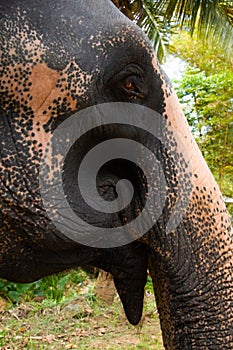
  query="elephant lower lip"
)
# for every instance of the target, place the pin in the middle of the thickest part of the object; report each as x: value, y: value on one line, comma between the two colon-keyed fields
x: 128, y: 265
x: 132, y: 296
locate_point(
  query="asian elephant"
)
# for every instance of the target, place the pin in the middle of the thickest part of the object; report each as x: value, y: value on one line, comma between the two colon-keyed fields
x: 60, y: 58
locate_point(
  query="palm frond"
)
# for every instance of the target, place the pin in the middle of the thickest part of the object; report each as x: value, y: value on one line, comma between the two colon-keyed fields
x: 213, y: 19
x: 157, y: 29
x: 219, y: 29
x: 227, y: 8
x: 208, y: 16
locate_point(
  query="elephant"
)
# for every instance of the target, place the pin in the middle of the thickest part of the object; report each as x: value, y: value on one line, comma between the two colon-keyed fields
x: 63, y: 58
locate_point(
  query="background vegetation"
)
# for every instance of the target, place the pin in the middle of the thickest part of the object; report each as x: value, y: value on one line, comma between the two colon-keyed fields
x: 62, y: 312
x: 212, y: 20
x: 206, y: 93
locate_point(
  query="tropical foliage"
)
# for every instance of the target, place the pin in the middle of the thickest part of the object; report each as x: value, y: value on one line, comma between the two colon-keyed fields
x: 206, y: 92
x: 160, y: 18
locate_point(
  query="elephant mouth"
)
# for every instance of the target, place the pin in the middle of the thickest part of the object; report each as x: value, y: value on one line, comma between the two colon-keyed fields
x: 127, y: 262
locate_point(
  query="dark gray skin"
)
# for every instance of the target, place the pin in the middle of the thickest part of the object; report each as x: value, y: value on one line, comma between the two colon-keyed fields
x: 58, y: 59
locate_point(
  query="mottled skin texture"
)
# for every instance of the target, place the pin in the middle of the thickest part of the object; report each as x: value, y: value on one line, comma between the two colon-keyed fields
x: 56, y: 59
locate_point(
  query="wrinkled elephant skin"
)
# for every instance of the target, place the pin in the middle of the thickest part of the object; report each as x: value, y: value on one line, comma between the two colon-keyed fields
x: 60, y: 57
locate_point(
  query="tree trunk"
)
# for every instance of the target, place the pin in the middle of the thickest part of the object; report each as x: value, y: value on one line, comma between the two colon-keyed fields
x: 105, y: 288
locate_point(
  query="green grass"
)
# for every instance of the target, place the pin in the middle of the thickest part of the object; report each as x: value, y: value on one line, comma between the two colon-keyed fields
x: 62, y: 312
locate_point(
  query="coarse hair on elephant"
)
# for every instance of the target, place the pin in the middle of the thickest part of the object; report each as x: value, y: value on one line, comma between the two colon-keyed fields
x: 78, y: 76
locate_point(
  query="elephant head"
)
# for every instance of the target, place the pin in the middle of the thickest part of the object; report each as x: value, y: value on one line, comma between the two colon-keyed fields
x: 62, y: 59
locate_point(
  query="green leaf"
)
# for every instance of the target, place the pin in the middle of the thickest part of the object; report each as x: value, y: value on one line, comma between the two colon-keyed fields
x: 213, y: 20
x: 63, y: 281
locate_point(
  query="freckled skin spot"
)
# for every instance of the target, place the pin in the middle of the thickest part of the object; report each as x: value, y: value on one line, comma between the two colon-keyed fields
x: 58, y: 60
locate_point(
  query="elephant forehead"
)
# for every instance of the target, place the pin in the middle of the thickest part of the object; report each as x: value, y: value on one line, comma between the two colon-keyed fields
x: 51, y: 53
x: 39, y: 88
x: 69, y: 30
x: 32, y: 92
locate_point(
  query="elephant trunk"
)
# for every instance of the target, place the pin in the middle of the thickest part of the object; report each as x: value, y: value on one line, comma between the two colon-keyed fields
x: 195, y: 306
x: 191, y: 265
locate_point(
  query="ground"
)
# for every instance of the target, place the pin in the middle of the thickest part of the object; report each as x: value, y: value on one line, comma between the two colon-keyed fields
x: 77, y: 321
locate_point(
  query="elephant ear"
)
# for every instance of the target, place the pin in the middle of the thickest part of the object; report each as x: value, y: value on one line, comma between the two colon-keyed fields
x: 130, y: 283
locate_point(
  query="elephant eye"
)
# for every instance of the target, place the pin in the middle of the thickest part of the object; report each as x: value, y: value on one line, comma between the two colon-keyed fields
x: 130, y: 86
x: 129, y: 83
x: 133, y: 87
